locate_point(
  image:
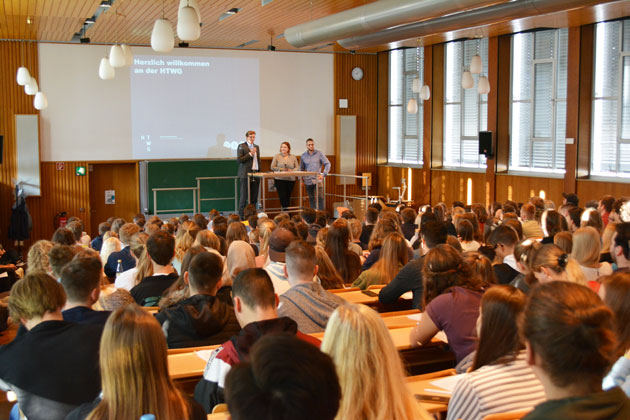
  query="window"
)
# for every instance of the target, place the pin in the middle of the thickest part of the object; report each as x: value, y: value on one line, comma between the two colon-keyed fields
x: 405, y: 130
x: 539, y: 101
x: 610, y: 140
x: 465, y: 111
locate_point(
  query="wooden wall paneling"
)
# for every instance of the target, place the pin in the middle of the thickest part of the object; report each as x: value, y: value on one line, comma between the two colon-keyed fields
x: 521, y: 188
x: 123, y: 179
x: 585, y: 89
x: 437, y: 107
x: 389, y: 177
x: 362, y: 102
x: 427, y: 130
x: 594, y: 190
x: 502, y: 111
x: 62, y: 190
x: 449, y: 186
x: 13, y: 101
x: 383, y: 108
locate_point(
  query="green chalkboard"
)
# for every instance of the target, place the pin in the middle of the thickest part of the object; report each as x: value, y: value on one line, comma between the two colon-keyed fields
x: 182, y: 174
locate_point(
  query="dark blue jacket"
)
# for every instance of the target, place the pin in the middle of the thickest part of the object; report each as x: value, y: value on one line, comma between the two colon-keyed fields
x: 128, y: 261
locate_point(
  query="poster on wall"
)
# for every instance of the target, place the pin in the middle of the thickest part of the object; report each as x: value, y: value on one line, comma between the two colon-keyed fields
x: 110, y: 197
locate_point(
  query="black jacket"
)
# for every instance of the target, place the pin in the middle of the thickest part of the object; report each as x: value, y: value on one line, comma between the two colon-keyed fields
x: 245, y: 161
x: 199, y: 320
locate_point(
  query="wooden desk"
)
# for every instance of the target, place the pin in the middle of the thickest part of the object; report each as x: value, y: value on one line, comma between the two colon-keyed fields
x: 420, y: 387
x: 399, y: 321
x: 185, y: 365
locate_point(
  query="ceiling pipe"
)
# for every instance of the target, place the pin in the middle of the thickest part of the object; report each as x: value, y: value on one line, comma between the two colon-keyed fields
x: 464, y: 20
x: 375, y: 17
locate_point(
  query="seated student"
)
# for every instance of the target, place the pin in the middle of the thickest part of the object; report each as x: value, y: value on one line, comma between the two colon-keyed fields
x: 552, y: 223
x: 76, y: 228
x: 371, y: 217
x: 128, y: 279
x: 392, y: 258
x: 620, y: 247
x: 255, y: 307
x: 550, y: 263
x: 586, y: 251
x: 180, y: 289
x: 125, y: 233
x: 201, y: 319
x: 570, y: 343
x: 97, y: 242
x: 466, y: 237
x: 53, y: 367
x: 503, y: 238
x: 279, y: 240
x: 501, y: 380
x: 63, y: 236
x: 615, y: 292
x: 134, y: 373
x: 387, y: 224
x: 449, y: 283
x: 59, y: 256
x: 306, y: 302
x: 285, y: 378
x: 370, y: 372
x: 161, y: 250
x: 408, y: 225
x: 409, y: 278
x: 81, y: 280
x: 531, y: 226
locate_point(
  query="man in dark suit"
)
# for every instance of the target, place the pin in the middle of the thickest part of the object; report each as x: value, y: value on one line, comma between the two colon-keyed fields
x: 248, y: 155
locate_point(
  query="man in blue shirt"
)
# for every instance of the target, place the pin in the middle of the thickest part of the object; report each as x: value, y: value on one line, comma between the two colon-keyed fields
x: 312, y: 161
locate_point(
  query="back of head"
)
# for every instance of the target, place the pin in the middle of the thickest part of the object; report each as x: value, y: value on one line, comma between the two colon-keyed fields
x: 480, y: 266
x: 328, y: 275
x: 59, y: 256
x: 301, y: 260
x: 586, y: 247
x: 552, y: 222
x: 503, y: 235
x: 138, y: 243
x: 200, y: 220
x: 592, y: 218
x: 286, y: 378
x: 528, y: 211
x: 134, y: 370
x: 80, y: 277
x: 204, y: 272
x: 309, y: 215
x: 34, y: 295
x: 279, y: 241
x: 117, y: 224
x: 550, y: 256
x: 444, y: 268
x: 207, y: 239
x: 355, y: 228
x: 434, y: 233
x: 564, y: 241
x: 622, y: 238
x: 465, y: 230
x: 321, y: 218
x: 161, y: 247
x: 574, y: 214
x: 254, y: 287
x: 499, y: 341
x: 516, y: 225
x: 76, y: 228
x: 63, y: 236
x: 236, y: 232
x: 371, y: 215
x: 240, y: 256
x: 37, y: 258
x: 616, y: 294
x: 337, y: 238
x: 607, y: 202
x: 127, y: 231
x: 561, y: 317
x: 408, y: 215
x: 103, y: 227
x: 370, y: 372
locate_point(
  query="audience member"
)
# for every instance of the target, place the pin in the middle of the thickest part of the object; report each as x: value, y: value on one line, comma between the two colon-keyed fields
x: 134, y: 371
x: 347, y: 262
x: 97, y: 242
x: 306, y: 302
x: 63, y: 236
x: 481, y: 266
x: 503, y: 238
x: 392, y: 258
x: 387, y: 224
x: 183, y: 243
x: 124, y: 255
x: 180, y: 290
x: 200, y: 319
x: 327, y: 274
x: 564, y: 241
x: 110, y: 245
x: 570, y: 341
x: 408, y: 226
x: 501, y: 380
x: 53, y: 367
x: 586, y: 251
x: 620, y: 247
x: 371, y: 217
x: 81, y: 280
x: 466, y: 236
x: 37, y: 258
x: 255, y: 307
x: 278, y: 242
x: 371, y: 375
x: 161, y: 250
x: 59, y: 256
x: 240, y: 257
x: 449, y: 283
x: 265, y: 228
x: 128, y: 279
x: 550, y: 263
x: 531, y: 226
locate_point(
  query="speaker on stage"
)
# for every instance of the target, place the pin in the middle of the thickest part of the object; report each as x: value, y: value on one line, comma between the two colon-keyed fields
x: 485, y: 144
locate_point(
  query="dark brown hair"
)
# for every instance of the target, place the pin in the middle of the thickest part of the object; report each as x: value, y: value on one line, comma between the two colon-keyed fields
x: 617, y: 298
x: 337, y: 241
x: 255, y: 288
x: 499, y: 341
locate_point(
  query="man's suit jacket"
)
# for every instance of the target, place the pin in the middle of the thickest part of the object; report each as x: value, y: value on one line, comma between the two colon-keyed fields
x: 245, y: 161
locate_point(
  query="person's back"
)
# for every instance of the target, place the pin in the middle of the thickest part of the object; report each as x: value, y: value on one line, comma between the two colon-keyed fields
x: 124, y: 255
x: 54, y: 366
x: 81, y: 280
x: 255, y: 308
x: 201, y: 319
x: 306, y: 302
x: 161, y: 249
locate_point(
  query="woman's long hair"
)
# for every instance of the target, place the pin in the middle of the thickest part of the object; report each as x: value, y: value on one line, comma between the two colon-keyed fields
x: 134, y: 370
x: 586, y: 247
x: 394, y: 254
x: 236, y: 231
x: 499, y: 341
x: 371, y: 376
x: 337, y: 242
x: 444, y: 268
x: 388, y: 222
x: 616, y: 289
x: 265, y: 227
x: 327, y: 273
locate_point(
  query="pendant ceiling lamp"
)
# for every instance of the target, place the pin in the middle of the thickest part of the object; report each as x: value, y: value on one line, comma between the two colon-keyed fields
x: 415, y: 86
x: 475, y: 64
x: 412, y: 106
x: 105, y: 70
x: 467, y: 80
x: 483, y: 86
x: 188, y: 28
x: 23, y: 76
x: 31, y: 87
x: 40, y: 102
x: 425, y: 93
x: 117, y: 56
x: 191, y: 3
x: 162, y: 39
x: 128, y: 54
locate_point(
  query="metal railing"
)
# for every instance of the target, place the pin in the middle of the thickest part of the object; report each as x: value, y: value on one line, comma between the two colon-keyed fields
x: 345, y: 196
x: 194, y: 200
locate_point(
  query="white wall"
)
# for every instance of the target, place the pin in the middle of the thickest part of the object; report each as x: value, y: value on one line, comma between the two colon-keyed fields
x: 90, y: 119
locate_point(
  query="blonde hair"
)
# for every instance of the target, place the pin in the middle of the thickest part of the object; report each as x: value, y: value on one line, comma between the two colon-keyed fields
x: 109, y: 246
x: 586, y: 247
x: 37, y: 257
x: 320, y: 239
x: 134, y: 370
x: 394, y: 254
x: 184, y: 242
x: 207, y: 239
x: 34, y: 295
x: 370, y: 372
x: 144, y: 266
x: 552, y: 257
x: 387, y: 224
x: 265, y: 227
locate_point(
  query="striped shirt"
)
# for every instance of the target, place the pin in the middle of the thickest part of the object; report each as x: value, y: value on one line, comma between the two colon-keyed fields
x: 496, y: 389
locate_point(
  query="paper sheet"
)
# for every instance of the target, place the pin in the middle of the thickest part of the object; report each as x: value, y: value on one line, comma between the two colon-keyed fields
x: 5, y: 274
x: 408, y: 295
x: 204, y: 354
x: 448, y: 382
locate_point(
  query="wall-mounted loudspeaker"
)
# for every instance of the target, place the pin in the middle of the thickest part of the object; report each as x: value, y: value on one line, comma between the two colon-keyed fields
x: 485, y: 144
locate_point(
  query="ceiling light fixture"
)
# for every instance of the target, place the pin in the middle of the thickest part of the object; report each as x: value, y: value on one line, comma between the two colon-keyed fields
x: 31, y: 87
x: 106, y: 4
x: 40, y: 102
x: 188, y: 28
x: 229, y: 13
x: 117, y: 56
x: 467, y: 80
x: 105, y: 70
x: 128, y: 54
x: 191, y: 3
x: 23, y: 76
x: 483, y: 86
x: 162, y: 38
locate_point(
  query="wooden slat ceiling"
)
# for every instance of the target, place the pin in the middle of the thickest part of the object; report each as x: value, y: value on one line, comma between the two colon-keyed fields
x: 131, y: 21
